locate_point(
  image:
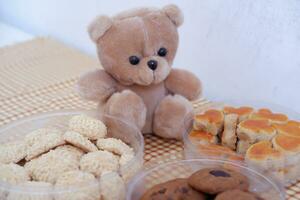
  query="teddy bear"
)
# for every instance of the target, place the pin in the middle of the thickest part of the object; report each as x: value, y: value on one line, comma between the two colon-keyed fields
x: 136, y: 49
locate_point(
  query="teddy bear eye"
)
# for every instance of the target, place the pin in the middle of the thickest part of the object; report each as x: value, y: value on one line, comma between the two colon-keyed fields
x: 162, y: 51
x: 134, y: 60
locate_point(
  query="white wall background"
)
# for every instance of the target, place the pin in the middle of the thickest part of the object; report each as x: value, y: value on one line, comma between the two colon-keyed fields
x: 239, y: 48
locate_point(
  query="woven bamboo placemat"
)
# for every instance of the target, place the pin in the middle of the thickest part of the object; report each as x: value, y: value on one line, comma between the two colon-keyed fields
x: 39, y: 76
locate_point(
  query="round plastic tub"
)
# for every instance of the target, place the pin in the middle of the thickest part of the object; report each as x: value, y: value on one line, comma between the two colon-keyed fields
x: 193, y: 150
x: 259, y: 184
x: 116, y: 128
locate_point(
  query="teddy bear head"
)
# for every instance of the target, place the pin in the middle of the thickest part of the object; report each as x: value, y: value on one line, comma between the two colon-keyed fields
x: 138, y: 46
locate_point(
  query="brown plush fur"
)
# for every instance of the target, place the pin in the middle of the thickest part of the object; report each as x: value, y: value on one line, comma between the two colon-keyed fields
x: 153, y: 100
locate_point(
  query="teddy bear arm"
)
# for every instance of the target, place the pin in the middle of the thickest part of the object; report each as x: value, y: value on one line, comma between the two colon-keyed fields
x: 96, y: 85
x: 184, y: 83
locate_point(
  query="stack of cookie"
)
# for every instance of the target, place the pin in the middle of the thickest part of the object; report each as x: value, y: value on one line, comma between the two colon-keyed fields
x: 207, y: 183
x: 267, y: 140
x: 83, y: 158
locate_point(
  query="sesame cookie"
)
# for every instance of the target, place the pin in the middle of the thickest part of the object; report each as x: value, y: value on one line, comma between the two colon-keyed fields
x: 85, y: 186
x: 88, y: 127
x: 99, y: 162
x: 48, y: 167
x: 12, y: 152
x: 125, y: 158
x: 79, y: 141
x: 41, y: 141
x: 118, y: 147
x: 177, y: 189
x: 114, y: 145
x: 112, y: 186
x: 13, y: 173
x: 216, y: 180
x: 78, y: 153
x: 129, y: 168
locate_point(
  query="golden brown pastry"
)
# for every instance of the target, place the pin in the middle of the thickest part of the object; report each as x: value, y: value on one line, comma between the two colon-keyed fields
x: 242, y: 146
x: 253, y: 130
x: 290, y: 148
x: 286, y: 144
x: 229, y: 136
x: 217, y: 151
x: 211, y: 121
x: 243, y: 112
x: 291, y: 128
x: 269, y: 115
x: 263, y: 155
x: 202, y: 137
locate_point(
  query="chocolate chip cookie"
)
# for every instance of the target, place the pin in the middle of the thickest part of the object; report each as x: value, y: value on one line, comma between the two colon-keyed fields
x: 177, y: 189
x: 237, y: 195
x: 216, y: 180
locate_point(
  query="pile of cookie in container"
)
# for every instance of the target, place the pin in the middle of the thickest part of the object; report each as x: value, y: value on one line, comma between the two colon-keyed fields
x: 70, y: 155
x: 232, y: 153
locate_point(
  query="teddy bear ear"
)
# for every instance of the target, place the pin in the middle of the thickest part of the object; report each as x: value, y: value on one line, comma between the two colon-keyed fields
x: 98, y: 27
x: 174, y: 13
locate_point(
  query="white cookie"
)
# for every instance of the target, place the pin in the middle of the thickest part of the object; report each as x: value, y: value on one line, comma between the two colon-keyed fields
x: 13, y: 173
x: 84, y: 186
x: 114, y: 145
x: 79, y: 141
x: 88, y: 127
x: 125, y: 158
x: 48, y: 167
x: 44, y: 193
x: 99, y: 162
x: 41, y: 141
x: 71, y: 149
x: 129, y: 171
x: 12, y: 152
x: 112, y: 186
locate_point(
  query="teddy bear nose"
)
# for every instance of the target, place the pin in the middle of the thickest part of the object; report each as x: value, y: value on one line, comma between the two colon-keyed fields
x: 152, y: 64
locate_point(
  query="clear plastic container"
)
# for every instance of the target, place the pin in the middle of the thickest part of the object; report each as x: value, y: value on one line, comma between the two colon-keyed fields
x: 259, y: 184
x: 194, y: 150
x: 116, y: 128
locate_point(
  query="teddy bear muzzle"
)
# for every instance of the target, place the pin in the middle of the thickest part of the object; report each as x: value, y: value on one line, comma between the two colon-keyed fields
x: 152, y: 64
